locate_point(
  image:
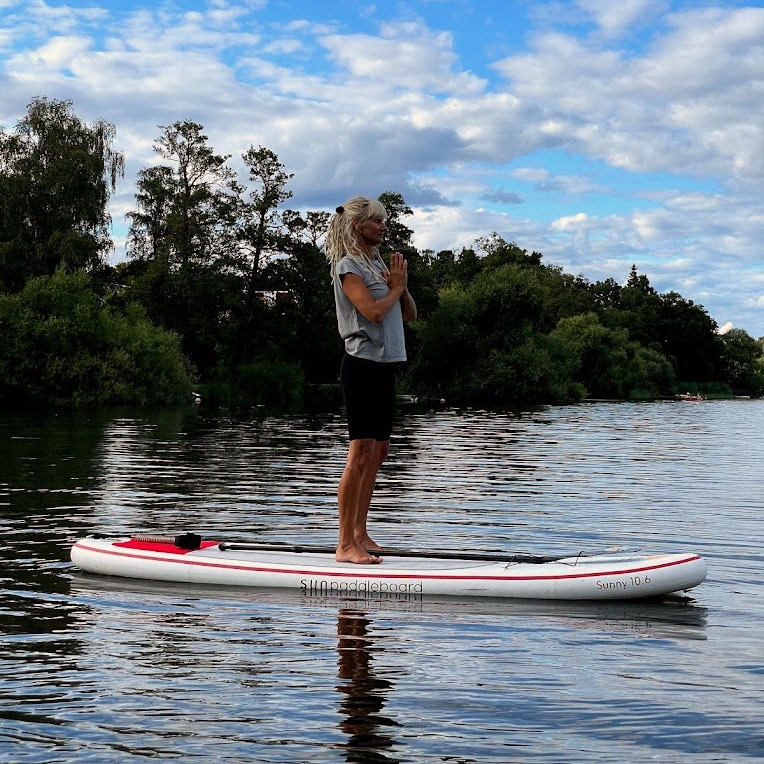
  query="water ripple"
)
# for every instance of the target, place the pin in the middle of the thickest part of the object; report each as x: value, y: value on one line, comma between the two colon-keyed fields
x: 96, y: 670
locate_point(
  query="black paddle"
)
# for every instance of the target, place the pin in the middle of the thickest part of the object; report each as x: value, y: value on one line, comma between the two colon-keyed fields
x: 194, y: 541
x: 444, y: 554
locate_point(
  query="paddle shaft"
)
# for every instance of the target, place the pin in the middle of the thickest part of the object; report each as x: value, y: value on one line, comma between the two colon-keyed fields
x: 434, y: 554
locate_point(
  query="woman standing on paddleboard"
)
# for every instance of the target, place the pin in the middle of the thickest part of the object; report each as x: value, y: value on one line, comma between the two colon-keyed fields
x: 372, y: 302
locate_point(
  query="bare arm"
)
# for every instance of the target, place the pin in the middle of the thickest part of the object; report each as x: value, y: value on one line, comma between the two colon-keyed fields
x: 375, y: 310
x: 408, y: 306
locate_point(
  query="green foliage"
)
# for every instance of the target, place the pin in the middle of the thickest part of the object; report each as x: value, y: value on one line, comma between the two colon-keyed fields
x: 187, y: 209
x: 608, y: 364
x: 261, y: 229
x: 240, y: 288
x: 448, y: 353
x: 497, y: 252
x: 497, y: 329
x: 398, y: 236
x: 527, y: 375
x: 267, y: 383
x: 56, y: 177
x: 184, y: 240
x: 309, y: 310
x: 273, y: 383
x: 508, y: 303
x: 743, y: 362
x: 678, y: 328
x: 60, y: 345
x: 479, y: 345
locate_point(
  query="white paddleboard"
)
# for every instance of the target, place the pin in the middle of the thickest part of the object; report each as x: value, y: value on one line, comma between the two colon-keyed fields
x: 403, y: 574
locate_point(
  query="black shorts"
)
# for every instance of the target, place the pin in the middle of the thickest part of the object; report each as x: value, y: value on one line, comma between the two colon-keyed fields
x: 369, y: 389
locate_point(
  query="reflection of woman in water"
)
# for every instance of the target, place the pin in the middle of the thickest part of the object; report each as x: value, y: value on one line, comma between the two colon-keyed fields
x: 364, y: 693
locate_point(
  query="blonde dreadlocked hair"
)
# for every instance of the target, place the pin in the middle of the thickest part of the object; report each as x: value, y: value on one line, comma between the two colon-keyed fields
x: 342, y: 237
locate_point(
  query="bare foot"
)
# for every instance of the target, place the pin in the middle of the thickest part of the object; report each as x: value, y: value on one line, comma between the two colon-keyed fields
x: 357, y: 555
x: 369, y: 544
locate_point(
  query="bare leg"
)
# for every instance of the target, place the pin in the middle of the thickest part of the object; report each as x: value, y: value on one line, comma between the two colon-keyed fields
x: 351, y: 495
x: 381, y: 449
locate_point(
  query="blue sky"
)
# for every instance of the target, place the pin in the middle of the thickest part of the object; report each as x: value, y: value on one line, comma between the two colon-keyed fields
x: 599, y: 134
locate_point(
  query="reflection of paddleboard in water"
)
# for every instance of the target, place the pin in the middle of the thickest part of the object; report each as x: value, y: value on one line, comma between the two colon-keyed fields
x: 314, y: 571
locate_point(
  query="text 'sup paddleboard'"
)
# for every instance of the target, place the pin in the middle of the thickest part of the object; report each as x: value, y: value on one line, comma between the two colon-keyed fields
x: 314, y: 571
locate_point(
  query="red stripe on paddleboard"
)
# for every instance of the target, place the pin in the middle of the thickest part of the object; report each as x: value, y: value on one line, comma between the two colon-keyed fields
x: 360, y: 573
x: 158, y: 546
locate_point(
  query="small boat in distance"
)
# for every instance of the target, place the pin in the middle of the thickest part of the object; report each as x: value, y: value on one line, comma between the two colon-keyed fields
x: 690, y: 397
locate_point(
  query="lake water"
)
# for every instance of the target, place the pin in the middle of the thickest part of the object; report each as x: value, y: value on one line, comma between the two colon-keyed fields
x: 101, y: 670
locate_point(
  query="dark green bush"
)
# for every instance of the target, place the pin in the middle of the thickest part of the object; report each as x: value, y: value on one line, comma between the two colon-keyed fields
x: 60, y: 344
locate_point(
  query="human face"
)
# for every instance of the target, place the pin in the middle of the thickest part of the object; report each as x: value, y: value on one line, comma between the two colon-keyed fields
x: 371, y: 232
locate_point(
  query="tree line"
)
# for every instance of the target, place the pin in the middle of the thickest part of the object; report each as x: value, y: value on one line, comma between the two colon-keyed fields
x: 226, y: 290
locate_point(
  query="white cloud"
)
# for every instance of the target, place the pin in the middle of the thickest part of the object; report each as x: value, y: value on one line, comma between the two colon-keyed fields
x: 352, y: 108
x: 616, y: 19
x: 685, y: 105
x: 531, y: 174
x: 569, y: 222
x: 61, y: 51
x: 404, y: 56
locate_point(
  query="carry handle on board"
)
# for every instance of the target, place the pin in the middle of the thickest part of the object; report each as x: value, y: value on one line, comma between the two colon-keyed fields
x: 193, y: 541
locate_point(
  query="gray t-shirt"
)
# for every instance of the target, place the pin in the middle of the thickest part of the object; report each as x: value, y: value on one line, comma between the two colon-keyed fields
x: 382, y: 341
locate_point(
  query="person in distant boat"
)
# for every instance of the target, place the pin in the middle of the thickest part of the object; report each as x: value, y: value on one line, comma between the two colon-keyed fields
x: 372, y: 301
